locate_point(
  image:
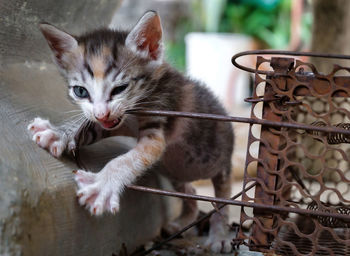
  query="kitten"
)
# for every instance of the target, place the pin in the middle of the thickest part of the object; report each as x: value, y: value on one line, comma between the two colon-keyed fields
x: 112, y: 72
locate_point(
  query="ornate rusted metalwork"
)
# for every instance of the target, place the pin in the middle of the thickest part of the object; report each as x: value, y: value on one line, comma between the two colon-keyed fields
x: 307, y: 170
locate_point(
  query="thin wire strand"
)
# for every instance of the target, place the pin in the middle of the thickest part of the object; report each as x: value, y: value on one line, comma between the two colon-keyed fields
x: 155, y: 247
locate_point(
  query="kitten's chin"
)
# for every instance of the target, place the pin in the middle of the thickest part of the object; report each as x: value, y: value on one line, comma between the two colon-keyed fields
x: 109, y: 125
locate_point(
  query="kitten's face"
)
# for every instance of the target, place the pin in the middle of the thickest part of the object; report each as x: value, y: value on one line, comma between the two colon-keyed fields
x: 106, y: 69
x: 105, y: 88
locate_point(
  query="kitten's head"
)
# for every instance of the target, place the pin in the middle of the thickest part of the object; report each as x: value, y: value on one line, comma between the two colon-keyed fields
x: 106, y: 69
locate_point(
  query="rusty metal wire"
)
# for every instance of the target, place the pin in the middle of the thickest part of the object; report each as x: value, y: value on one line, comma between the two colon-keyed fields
x: 173, y: 236
x: 284, y: 53
x: 326, y: 129
x: 272, y: 208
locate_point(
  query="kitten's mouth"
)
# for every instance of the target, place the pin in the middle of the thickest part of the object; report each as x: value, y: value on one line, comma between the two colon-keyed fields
x: 111, y: 124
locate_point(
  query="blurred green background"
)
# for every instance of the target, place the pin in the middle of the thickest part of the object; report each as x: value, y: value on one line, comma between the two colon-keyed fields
x: 268, y: 22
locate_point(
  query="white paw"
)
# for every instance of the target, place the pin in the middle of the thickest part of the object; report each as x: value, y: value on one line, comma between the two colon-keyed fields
x: 47, y: 137
x: 97, y: 191
x: 219, y: 243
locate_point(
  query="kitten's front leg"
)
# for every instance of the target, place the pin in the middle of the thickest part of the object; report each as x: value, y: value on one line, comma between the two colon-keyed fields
x: 100, y: 192
x: 48, y: 137
x: 58, y: 139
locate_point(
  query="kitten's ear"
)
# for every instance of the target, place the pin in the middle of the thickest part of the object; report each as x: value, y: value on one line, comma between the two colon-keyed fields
x: 59, y: 41
x: 146, y: 37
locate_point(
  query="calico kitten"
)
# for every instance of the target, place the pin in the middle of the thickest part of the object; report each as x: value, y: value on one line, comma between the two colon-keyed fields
x: 112, y: 72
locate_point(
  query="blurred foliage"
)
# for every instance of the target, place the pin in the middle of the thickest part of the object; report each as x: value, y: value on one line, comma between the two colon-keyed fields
x: 175, y: 50
x: 176, y: 54
x: 306, y: 25
x: 268, y: 21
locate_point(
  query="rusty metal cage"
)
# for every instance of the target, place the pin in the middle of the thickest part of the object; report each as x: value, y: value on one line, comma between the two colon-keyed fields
x: 300, y: 130
x: 299, y: 169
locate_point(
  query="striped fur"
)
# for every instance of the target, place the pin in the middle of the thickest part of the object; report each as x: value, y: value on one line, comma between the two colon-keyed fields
x: 124, y: 71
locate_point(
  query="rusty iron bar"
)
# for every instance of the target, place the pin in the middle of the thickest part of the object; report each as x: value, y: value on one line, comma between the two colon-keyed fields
x: 240, y: 203
x: 207, y: 215
x: 287, y: 53
x: 224, y: 118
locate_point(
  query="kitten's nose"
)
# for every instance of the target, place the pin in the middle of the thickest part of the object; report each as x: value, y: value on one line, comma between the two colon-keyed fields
x: 102, y: 116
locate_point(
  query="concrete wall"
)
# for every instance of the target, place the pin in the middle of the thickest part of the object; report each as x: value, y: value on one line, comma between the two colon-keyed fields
x: 39, y: 213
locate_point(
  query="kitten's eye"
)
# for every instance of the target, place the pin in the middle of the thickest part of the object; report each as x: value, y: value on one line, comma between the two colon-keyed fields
x: 81, y: 92
x: 119, y: 89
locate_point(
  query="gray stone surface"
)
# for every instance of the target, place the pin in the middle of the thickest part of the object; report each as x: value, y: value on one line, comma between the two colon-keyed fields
x: 39, y: 213
x: 20, y: 40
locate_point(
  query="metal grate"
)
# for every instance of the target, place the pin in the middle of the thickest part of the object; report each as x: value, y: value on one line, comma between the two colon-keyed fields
x: 306, y: 170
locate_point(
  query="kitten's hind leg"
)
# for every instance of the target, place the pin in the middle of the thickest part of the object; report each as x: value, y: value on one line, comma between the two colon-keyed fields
x: 189, y: 211
x: 219, y: 240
